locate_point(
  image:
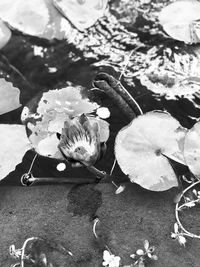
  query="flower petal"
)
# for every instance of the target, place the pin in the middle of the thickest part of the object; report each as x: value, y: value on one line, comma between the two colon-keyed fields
x: 146, y: 244
x: 176, y: 228
x: 181, y: 240
x: 154, y: 257
x: 106, y: 255
x: 120, y: 189
x: 133, y: 256
x: 140, y: 252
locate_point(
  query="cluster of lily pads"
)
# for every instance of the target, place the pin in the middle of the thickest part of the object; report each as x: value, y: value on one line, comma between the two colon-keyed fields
x: 68, y: 125
x: 52, y: 19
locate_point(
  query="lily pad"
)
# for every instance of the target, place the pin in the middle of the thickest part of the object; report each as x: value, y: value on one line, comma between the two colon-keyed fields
x: 14, y: 144
x: 37, y: 18
x: 172, y: 75
x: 192, y: 149
x: 9, y: 97
x: 5, y: 34
x: 179, y: 20
x: 44, y: 117
x: 82, y: 14
x: 143, y: 147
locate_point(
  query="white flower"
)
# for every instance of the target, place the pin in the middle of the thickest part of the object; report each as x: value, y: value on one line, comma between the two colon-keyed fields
x: 80, y: 141
x: 181, y: 239
x: 178, y: 236
x: 140, y: 252
x: 110, y: 260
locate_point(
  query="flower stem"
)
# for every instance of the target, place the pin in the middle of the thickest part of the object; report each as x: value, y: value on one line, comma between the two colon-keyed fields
x: 99, y: 174
x: 114, y: 89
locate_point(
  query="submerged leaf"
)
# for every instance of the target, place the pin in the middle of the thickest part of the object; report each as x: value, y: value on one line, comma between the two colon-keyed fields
x: 142, y: 148
x: 180, y: 20
x: 82, y: 14
x: 13, y: 146
x: 192, y: 149
x: 45, y: 115
x: 9, y: 97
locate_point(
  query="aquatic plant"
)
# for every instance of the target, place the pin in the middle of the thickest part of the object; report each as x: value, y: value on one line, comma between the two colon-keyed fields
x: 189, y: 197
x: 5, y: 34
x: 143, y: 255
x: 9, y: 97
x: 180, y: 20
x: 110, y: 260
x: 45, y: 115
x: 31, y: 256
x: 80, y: 141
x: 14, y: 139
x: 172, y: 74
x: 52, y: 19
x: 151, y: 138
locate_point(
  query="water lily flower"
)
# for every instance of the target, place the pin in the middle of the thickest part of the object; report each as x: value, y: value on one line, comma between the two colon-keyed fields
x: 110, y: 260
x: 80, y: 141
x: 178, y: 236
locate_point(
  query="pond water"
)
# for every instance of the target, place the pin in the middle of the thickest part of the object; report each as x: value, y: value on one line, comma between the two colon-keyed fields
x: 160, y: 73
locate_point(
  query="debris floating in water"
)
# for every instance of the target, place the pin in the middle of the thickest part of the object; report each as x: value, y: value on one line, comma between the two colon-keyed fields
x: 61, y: 167
x: 103, y: 112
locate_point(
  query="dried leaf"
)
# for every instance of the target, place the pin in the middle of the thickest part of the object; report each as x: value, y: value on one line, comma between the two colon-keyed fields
x: 82, y: 14
x: 179, y: 20
x: 192, y: 149
x: 142, y: 146
x: 13, y: 146
x: 9, y: 97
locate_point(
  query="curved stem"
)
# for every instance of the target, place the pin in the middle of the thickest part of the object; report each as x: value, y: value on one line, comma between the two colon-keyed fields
x: 177, y: 209
x: 24, y: 248
x: 114, y: 89
x: 129, y: 57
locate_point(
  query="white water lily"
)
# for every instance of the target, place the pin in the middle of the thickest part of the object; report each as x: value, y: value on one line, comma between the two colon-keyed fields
x: 110, y: 260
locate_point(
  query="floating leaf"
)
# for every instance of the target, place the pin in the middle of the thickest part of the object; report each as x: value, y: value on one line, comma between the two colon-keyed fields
x: 82, y: 14
x: 142, y: 148
x: 173, y: 75
x: 180, y: 20
x: 5, y: 34
x: 192, y: 149
x: 38, y: 18
x: 45, y: 115
x: 14, y: 144
x: 9, y: 97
